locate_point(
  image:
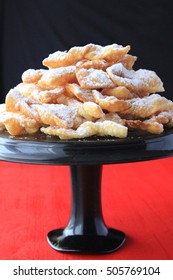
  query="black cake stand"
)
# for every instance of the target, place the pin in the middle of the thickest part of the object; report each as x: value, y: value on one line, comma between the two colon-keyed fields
x: 86, y: 231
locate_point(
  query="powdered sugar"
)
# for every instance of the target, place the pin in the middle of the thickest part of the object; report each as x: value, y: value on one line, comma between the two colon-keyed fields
x: 32, y: 75
x: 61, y: 71
x: 93, y: 78
x: 2, y: 108
x: 57, y: 55
x: 136, y: 81
x: 62, y: 112
x: 58, y: 77
x: 148, y: 106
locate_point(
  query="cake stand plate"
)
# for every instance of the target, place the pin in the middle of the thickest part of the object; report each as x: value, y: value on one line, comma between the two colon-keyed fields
x: 86, y: 231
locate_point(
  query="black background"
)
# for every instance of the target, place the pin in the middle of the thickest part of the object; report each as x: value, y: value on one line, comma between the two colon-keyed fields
x: 30, y: 30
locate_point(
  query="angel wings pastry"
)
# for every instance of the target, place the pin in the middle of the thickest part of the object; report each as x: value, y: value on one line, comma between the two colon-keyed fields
x: 85, y: 91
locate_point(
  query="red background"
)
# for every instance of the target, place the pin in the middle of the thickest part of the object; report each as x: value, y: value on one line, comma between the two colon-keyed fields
x: 137, y: 198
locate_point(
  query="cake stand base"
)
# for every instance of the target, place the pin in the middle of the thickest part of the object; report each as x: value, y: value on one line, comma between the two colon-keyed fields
x: 97, y: 244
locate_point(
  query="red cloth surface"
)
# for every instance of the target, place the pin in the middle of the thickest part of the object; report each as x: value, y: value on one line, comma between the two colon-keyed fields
x: 137, y: 198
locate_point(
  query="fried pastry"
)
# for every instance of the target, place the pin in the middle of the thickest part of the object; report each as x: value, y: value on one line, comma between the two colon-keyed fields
x: 111, y: 53
x: 32, y: 75
x: 110, y: 103
x: 111, y: 128
x: 119, y: 92
x: 128, y: 61
x: 141, y: 82
x: 83, y: 95
x: 58, y: 77
x: 95, y: 64
x: 147, y: 106
x: 55, y: 114
x: 58, y: 59
x: 17, y: 103
x: 62, y: 59
x: 88, y: 129
x: 41, y: 95
x: 151, y: 127
x: 16, y: 123
x: 51, y: 96
x: 93, y: 79
x: 112, y: 117
x: 88, y: 110
x: 2, y: 108
x: 85, y: 91
x: 30, y: 90
x: 91, y: 111
x: 165, y: 117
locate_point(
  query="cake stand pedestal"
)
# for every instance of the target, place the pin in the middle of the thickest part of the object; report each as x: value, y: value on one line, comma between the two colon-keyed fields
x: 86, y: 231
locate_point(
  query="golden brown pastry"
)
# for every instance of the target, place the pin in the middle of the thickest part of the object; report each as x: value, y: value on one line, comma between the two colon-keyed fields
x: 85, y: 91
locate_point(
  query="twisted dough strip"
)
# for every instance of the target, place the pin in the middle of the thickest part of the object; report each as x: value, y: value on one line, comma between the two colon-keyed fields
x: 17, y: 103
x: 110, y: 103
x: 16, y: 123
x: 40, y: 95
x: 141, y: 82
x: 147, y: 106
x: 32, y: 75
x: 88, y: 129
x: 90, y: 51
x: 93, y: 78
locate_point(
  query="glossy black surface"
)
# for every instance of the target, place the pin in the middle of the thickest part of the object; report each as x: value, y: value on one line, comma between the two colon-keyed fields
x: 90, y: 244
x: 86, y: 231
x: 41, y: 149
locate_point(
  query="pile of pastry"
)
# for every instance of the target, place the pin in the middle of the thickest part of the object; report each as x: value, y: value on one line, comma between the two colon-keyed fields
x: 86, y: 91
